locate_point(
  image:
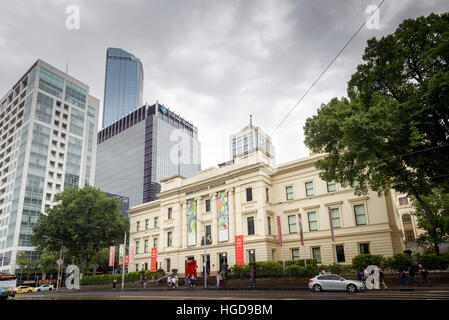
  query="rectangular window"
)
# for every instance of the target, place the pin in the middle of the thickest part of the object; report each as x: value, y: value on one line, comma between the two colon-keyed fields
x: 316, y: 254
x: 364, y: 248
x: 403, y: 201
x: 289, y: 193
x: 75, y: 95
x: 207, y: 205
x: 309, y: 188
x: 249, y: 194
x: 137, y: 247
x: 250, y: 221
x: 146, y: 246
x: 147, y: 223
x: 360, y: 216
x: 292, y: 224
x: 170, y: 213
x: 44, y: 108
x: 331, y: 186
x: 208, y: 235
x: 168, y: 263
x: 340, y: 253
x: 313, y: 222
x: 295, y: 254
x: 169, y: 239
x: 266, y: 194
x: 269, y: 224
x: 155, y: 222
x: 51, y: 83
x: 138, y: 226
x: 335, y: 214
x: 154, y: 242
x: 252, y: 256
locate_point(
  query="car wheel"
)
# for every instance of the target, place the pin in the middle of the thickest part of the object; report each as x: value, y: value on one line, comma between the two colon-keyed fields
x: 317, y: 288
x: 351, y: 288
x: 38, y: 290
x: 50, y: 289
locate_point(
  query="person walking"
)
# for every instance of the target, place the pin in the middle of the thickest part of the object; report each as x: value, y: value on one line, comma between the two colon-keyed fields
x: 424, y: 275
x: 145, y: 282
x: 114, y: 283
x: 169, y: 281
x: 411, y: 275
x: 382, y: 279
x: 187, y: 282
x: 402, y: 278
x: 175, y: 281
x: 365, y: 274
x: 192, y: 281
x: 359, y: 275
x: 252, y: 282
x: 218, y: 280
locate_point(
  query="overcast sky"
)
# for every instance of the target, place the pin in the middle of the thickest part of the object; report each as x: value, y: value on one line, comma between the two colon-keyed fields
x: 212, y: 62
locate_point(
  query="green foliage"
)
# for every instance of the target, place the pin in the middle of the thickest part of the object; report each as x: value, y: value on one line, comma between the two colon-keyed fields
x: 398, y: 261
x: 361, y: 261
x: 84, y: 220
x: 109, y: 278
x: 434, y: 262
x: 239, y: 271
x: 268, y: 269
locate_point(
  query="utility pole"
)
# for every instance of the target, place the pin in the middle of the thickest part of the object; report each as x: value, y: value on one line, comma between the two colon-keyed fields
x: 332, y: 233
x: 205, y: 257
x: 123, y: 263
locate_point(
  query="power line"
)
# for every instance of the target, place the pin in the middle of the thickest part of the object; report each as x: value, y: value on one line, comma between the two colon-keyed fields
x: 327, y: 67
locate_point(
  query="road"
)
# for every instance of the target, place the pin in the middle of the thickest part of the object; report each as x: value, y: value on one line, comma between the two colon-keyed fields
x: 199, y: 294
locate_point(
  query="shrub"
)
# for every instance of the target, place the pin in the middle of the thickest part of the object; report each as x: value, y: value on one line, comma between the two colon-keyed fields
x: 269, y: 269
x: 362, y: 261
x: 398, y: 261
x: 434, y: 262
x: 239, y: 271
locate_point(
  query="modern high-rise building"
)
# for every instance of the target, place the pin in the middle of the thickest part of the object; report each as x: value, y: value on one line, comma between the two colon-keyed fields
x: 48, y: 123
x: 146, y: 146
x: 123, y: 85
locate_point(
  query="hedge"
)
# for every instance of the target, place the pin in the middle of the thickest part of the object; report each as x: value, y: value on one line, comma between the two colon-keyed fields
x: 109, y: 278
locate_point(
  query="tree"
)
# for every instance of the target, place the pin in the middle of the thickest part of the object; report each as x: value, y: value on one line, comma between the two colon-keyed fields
x: 84, y: 221
x: 24, y: 263
x: 48, y: 260
x: 393, y: 129
x: 99, y: 260
x: 437, y: 230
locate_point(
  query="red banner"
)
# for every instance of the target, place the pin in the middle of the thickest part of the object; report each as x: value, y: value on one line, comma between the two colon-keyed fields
x: 153, y: 259
x: 300, y: 230
x: 239, y: 257
x: 279, y: 230
x: 332, y: 227
x: 126, y: 260
x: 111, y: 256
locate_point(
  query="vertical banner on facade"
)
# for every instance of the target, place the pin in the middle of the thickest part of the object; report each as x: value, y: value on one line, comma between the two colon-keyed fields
x: 131, y: 252
x: 239, y: 258
x: 223, y: 216
x: 153, y: 259
x: 191, y: 220
x: 121, y: 253
x: 332, y: 227
x: 111, y: 256
x: 279, y: 230
x: 301, y: 235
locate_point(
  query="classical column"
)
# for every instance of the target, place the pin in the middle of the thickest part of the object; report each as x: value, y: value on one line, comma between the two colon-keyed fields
x: 231, y: 213
x: 238, y: 212
x: 214, y: 210
x: 179, y: 225
x: 184, y: 226
x: 199, y: 225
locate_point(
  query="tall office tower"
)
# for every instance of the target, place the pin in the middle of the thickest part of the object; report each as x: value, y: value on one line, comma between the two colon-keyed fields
x: 48, y: 123
x: 123, y: 85
x: 146, y: 146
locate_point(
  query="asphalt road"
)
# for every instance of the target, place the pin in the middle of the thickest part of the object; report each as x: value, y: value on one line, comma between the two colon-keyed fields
x: 198, y: 294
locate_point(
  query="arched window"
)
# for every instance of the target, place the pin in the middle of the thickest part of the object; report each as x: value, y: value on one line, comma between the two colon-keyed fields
x: 406, y: 218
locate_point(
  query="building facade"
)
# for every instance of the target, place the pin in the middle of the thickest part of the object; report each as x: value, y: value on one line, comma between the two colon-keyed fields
x: 48, y: 124
x: 246, y: 199
x: 123, y: 85
x: 147, y: 145
x: 249, y: 138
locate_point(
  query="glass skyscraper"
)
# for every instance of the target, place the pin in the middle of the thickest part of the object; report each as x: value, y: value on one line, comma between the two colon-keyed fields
x: 123, y: 85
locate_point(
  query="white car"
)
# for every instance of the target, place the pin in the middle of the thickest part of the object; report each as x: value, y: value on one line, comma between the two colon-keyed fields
x: 333, y: 282
x: 44, y: 287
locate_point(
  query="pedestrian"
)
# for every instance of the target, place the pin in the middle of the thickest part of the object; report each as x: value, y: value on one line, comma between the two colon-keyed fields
x: 424, y: 274
x: 192, y: 280
x: 365, y: 274
x: 114, y: 283
x: 359, y: 275
x: 382, y: 278
x: 187, y: 282
x: 218, y: 278
x: 169, y: 281
x: 411, y: 274
x: 402, y: 278
x: 175, y: 281
x: 252, y: 282
x: 145, y: 282
x: 323, y: 272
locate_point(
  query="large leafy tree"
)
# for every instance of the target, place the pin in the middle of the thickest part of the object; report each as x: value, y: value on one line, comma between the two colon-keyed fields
x: 84, y: 221
x: 393, y: 129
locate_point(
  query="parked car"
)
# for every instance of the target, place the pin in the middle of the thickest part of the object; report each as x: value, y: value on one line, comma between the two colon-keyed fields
x: 7, y: 292
x: 44, y: 287
x: 24, y: 289
x: 333, y: 282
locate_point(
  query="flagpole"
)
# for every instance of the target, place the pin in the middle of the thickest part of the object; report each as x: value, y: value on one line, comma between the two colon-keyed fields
x: 332, y: 233
x: 301, y: 234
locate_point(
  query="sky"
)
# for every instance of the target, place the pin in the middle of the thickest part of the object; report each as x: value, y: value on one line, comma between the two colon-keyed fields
x: 213, y: 62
